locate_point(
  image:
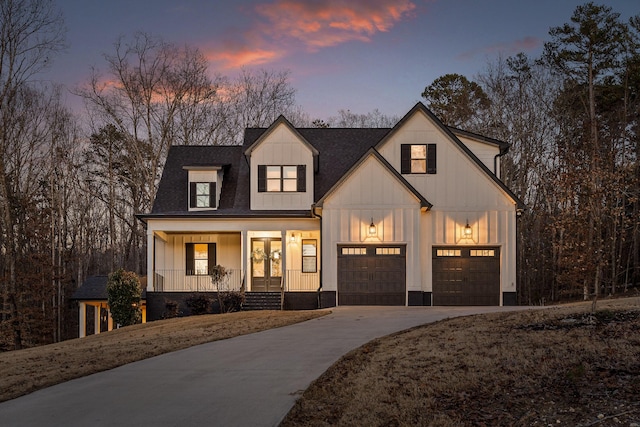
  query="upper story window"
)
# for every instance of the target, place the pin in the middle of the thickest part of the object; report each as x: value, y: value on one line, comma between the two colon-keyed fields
x: 418, y: 158
x: 278, y: 179
x: 202, y: 195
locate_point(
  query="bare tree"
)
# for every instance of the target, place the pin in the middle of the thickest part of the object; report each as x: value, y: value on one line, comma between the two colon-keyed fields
x: 30, y: 32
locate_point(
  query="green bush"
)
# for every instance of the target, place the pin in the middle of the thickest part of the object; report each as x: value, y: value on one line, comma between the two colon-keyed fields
x: 123, y: 296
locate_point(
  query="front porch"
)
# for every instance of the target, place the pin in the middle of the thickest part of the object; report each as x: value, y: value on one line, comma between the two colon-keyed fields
x: 181, y: 256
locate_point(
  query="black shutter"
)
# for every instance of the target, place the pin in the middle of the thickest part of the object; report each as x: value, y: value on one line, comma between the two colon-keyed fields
x: 190, y: 261
x: 431, y: 158
x: 405, y: 158
x: 211, y: 256
x: 302, y: 178
x: 262, y: 178
x: 192, y: 194
x: 212, y: 195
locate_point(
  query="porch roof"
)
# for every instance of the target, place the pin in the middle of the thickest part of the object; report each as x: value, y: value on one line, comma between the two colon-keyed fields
x: 94, y: 288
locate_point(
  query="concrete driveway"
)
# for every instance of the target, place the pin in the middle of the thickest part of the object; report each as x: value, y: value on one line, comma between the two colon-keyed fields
x: 252, y: 380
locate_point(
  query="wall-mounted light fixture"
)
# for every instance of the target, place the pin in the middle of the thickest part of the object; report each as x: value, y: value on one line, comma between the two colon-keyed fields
x: 467, y: 231
x: 292, y: 238
x: 372, y: 228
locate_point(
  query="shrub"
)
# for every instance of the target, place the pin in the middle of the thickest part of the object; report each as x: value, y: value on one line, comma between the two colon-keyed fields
x: 123, y: 296
x: 230, y: 301
x: 170, y: 309
x: 198, y: 304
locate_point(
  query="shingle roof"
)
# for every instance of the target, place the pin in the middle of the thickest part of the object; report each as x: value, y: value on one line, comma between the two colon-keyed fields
x: 95, y: 288
x: 338, y: 149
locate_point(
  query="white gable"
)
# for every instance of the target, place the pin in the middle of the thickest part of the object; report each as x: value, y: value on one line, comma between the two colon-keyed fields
x: 371, y: 184
x: 281, y: 147
x: 459, y: 182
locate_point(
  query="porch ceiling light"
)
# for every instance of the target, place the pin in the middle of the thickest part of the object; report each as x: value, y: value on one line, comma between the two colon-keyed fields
x: 467, y: 230
x: 372, y: 228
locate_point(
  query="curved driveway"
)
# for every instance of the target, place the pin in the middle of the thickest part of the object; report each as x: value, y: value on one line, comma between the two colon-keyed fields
x: 251, y: 380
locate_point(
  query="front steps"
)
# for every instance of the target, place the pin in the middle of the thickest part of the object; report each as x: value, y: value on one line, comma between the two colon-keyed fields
x: 262, y: 301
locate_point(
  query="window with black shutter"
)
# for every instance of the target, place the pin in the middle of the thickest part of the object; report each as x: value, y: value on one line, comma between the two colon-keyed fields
x: 200, y: 258
x: 202, y: 195
x: 281, y: 179
x: 418, y: 158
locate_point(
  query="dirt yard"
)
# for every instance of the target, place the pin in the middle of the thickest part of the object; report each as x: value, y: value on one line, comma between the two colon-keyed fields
x: 554, y: 366
x: 25, y: 371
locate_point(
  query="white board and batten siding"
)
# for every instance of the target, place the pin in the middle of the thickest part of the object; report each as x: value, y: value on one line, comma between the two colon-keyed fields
x: 281, y: 147
x: 370, y: 193
x: 460, y: 192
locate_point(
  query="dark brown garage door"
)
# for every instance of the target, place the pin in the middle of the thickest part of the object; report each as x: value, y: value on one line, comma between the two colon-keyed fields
x: 371, y: 275
x: 466, y: 276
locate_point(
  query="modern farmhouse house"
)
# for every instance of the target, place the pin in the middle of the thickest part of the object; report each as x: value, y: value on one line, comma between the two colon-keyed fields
x: 413, y: 215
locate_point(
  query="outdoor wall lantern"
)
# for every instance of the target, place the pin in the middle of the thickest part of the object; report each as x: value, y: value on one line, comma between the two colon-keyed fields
x: 292, y: 239
x: 372, y: 228
x: 467, y: 230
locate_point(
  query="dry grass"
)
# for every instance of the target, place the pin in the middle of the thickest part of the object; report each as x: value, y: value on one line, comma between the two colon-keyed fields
x: 555, y: 366
x: 25, y: 371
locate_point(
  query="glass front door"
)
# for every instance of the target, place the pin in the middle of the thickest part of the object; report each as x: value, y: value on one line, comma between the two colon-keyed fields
x: 266, y: 265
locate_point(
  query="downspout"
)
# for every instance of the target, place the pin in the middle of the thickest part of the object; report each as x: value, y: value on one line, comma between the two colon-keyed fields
x: 502, y: 152
x: 315, y: 215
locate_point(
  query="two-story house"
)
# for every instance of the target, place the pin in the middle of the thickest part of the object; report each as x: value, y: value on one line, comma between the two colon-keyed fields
x: 413, y: 215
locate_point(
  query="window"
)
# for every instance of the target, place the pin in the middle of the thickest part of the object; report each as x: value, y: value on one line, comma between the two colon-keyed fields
x: 201, y: 257
x: 309, y: 255
x: 354, y: 251
x: 202, y: 195
x: 388, y: 251
x: 448, y: 252
x: 279, y: 179
x: 483, y: 252
x: 418, y: 158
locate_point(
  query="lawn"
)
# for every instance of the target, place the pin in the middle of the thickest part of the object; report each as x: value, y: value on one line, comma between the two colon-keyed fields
x: 553, y: 366
x: 25, y: 371
x: 557, y: 366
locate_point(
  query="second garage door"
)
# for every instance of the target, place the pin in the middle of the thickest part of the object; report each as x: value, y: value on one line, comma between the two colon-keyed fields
x: 371, y: 275
x: 466, y: 276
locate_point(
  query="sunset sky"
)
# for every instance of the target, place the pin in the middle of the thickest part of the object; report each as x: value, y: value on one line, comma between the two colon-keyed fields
x: 359, y: 55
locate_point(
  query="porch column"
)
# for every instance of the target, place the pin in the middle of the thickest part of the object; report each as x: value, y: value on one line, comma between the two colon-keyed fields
x: 283, y: 257
x: 82, y: 320
x: 151, y: 267
x: 244, y: 251
x: 96, y: 318
x: 109, y: 320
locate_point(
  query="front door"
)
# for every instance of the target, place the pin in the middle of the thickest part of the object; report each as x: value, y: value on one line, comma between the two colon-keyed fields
x: 266, y: 265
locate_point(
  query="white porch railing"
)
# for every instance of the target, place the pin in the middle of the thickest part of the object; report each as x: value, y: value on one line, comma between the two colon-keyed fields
x: 297, y: 281
x: 178, y: 281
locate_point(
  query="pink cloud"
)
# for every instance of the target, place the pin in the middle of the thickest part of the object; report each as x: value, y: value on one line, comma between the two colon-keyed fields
x: 523, y: 45
x: 236, y: 57
x: 310, y: 24
x: 327, y: 23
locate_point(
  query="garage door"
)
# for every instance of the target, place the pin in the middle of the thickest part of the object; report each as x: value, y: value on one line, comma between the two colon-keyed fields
x: 466, y: 276
x: 371, y: 275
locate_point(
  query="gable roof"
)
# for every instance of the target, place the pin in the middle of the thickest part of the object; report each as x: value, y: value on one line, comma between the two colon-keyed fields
x: 279, y: 121
x: 336, y: 152
x: 420, y: 107
x: 424, y: 203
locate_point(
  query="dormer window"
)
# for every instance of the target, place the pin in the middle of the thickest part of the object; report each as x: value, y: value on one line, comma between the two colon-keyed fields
x: 204, y: 186
x: 202, y: 195
x: 281, y: 179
